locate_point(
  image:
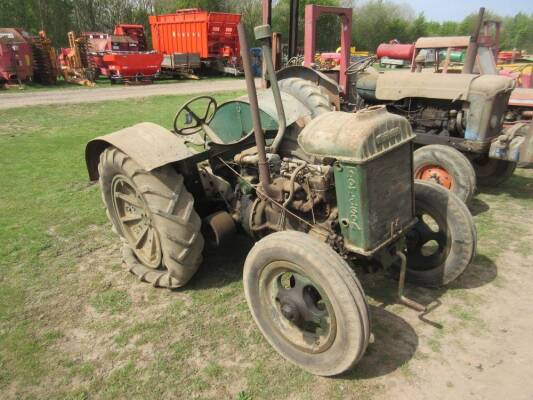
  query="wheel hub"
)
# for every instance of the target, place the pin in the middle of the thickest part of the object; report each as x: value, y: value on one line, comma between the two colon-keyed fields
x: 300, y: 310
x: 435, y: 173
x: 290, y: 311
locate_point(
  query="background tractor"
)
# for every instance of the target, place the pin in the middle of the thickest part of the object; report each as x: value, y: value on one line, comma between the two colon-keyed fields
x: 458, y: 119
x: 321, y: 191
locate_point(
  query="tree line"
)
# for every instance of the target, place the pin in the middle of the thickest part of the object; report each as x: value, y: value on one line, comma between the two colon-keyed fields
x: 374, y: 21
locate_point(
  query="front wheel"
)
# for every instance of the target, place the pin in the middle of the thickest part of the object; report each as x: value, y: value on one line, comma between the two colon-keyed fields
x: 491, y: 171
x: 446, y: 167
x: 307, y: 302
x: 443, y: 242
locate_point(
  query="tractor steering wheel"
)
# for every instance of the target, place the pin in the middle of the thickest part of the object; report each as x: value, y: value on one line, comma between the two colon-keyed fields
x: 188, y: 122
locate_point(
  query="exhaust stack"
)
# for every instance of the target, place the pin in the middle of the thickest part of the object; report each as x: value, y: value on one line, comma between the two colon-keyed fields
x: 262, y: 164
x: 263, y: 33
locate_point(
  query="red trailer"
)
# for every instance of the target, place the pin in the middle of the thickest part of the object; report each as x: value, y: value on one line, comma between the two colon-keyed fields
x: 211, y: 36
x: 15, y: 56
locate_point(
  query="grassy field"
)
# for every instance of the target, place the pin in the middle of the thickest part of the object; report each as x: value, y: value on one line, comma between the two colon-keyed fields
x: 75, y: 325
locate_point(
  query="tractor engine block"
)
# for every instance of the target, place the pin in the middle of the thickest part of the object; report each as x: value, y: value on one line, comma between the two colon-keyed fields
x: 308, y: 194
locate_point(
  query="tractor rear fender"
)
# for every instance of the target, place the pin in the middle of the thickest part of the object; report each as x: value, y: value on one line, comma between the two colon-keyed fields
x: 150, y: 145
x: 332, y: 88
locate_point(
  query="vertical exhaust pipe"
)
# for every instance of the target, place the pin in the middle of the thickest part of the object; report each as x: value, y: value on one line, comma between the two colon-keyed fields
x: 263, y: 33
x: 471, y: 51
x: 264, y: 172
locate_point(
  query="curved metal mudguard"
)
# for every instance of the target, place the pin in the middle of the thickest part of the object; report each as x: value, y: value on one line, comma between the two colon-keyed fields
x: 149, y: 144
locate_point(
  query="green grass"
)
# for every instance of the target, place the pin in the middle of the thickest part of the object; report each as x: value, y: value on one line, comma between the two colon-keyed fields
x: 75, y: 325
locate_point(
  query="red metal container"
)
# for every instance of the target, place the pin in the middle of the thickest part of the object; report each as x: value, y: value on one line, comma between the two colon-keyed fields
x: 133, y: 65
x: 209, y: 34
x: 15, y: 56
x: 396, y: 51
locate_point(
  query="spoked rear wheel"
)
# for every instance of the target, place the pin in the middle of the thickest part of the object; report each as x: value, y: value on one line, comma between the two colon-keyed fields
x: 154, y: 214
x: 307, y: 302
x: 135, y: 221
x: 443, y: 242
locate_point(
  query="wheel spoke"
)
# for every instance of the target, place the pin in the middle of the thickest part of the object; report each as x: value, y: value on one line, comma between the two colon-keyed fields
x: 134, y: 201
x: 131, y: 218
x: 151, y: 240
x: 196, y: 118
x: 141, y: 236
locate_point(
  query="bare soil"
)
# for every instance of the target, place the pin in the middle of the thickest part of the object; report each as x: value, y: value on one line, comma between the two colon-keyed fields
x: 119, y: 92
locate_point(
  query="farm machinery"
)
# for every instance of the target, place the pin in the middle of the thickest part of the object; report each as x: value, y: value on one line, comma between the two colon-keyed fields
x: 15, y: 56
x: 123, y: 56
x: 321, y: 192
x: 458, y: 119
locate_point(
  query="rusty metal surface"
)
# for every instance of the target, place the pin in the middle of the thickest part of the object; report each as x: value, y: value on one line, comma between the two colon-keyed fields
x: 392, y: 86
x: 356, y: 138
x: 150, y: 145
x: 442, y: 42
x: 515, y: 144
x: 220, y: 227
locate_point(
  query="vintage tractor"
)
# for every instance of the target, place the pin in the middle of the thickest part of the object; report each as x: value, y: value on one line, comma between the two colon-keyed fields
x: 320, y: 195
x: 457, y: 118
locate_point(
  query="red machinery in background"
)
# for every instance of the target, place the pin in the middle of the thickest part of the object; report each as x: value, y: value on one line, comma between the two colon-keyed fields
x: 135, y: 32
x: 122, y: 57
x: 15, y: 56
x: 395, y: 53
x: 192, y: 37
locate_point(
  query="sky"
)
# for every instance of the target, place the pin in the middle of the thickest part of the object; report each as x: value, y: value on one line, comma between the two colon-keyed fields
x: 456, y: 10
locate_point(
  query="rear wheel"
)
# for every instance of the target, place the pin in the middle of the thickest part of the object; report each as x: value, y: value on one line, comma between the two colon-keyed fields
x: 446, y: 167
x: 307, y: 302
x: 443, y: 242
x: 154, y: 214
x: 491, y: 171
x: 311, y: 95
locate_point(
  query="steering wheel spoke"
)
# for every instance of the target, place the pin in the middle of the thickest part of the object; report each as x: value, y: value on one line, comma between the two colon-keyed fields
x: 200, y: 118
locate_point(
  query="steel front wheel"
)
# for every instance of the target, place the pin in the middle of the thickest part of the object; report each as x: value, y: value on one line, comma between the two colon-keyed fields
x: 307, y: 302
x: 446, y: 167
x: 443, y: 242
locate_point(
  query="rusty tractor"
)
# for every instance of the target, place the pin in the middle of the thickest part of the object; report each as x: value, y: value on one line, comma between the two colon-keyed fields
x: 320, y: 194
x: 458, y: 119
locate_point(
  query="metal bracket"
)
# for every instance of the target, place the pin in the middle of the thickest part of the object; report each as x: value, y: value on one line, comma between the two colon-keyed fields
x: 401, y: 284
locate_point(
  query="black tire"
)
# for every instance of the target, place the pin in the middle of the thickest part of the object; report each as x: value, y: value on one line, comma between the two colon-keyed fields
x: 492, y: 172
x: 448, y: 160
x: 342, y: 295
x: 312, y: 96
x: 170, y: 251
x: 456, y: 237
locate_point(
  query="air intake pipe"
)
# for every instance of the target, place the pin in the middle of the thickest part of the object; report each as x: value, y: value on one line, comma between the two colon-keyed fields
x: 262, y: 164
